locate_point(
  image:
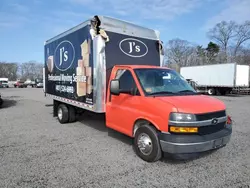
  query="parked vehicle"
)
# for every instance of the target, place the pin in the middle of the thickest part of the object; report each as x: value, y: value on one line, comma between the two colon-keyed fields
x: 113, y: 67
x: 29, y: 82
x: 4, y: 83
x: 38, y: 83
x: 217, y: 79
x: 20, y: 84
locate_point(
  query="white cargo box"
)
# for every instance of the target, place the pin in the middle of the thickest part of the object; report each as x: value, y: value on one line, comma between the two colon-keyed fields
x: 218, y: 75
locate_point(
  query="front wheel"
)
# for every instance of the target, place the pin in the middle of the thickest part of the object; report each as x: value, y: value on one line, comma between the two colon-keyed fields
x: 146, y: 144
x: 211, y: 91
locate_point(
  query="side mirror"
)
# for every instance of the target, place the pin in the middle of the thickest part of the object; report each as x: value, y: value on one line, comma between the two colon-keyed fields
x: 115, y: 87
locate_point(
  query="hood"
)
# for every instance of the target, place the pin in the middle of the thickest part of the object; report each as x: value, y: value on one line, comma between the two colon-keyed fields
x: 194, y: 103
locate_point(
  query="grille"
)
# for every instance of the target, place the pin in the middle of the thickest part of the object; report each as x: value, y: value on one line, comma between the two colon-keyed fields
x: 211, y: 128
x: 207, y: 116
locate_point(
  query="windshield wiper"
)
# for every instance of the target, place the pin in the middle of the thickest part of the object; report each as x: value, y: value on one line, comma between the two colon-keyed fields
x: 189, y: 92
x: 184, y: 91
x: 161, y: 92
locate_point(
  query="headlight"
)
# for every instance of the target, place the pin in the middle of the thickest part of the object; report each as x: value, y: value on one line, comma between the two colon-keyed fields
x: 182, y: 117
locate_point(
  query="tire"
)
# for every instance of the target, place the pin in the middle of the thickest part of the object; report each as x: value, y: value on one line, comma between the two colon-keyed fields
x: 223, y: 92
x: 72, y: 114
x: 63, y: 114
x: 1, y: 102
x: 211, y: 91
x: 155, y: 153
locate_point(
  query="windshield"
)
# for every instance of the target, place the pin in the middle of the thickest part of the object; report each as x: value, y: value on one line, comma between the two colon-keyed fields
x: 39, y: 80
x: 163, y: 82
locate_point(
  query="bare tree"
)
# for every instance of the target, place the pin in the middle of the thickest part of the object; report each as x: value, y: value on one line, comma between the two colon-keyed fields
x: 230, y: 36
x: 8, y: 70
x: 222, y: 33
x: 178, y: 51
x: 242, y: 35
x: 31, y: 70
x: 243, y: 55
x: 185, y: 53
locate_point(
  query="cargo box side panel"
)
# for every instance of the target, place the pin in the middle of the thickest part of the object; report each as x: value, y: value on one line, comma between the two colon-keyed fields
x: 69, y: 68
x: 221, y: 75
x: 242, y: 76
x: 130, y: 50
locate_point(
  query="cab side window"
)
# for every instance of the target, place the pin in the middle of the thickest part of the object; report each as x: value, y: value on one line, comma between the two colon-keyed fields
x: 127, y: 81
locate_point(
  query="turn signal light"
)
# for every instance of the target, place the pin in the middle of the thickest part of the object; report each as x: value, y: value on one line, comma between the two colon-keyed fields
x: 183, y: 129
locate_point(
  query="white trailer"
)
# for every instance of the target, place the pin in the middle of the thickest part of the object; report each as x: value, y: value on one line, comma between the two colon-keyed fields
x: 4, y: 79
x: 217, y: 78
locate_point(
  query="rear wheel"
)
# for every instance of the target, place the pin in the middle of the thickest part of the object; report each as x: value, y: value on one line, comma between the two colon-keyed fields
x: 223, y: 92
x: 63, y: 114
x: 146, y: 144
x: 72, y: 114
x: 1, y: 102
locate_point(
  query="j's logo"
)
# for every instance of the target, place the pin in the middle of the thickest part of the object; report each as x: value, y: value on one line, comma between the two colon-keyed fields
x: 64, y: 55
x: 133, y: 47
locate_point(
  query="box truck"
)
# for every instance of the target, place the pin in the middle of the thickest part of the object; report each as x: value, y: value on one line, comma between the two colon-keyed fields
x: 110, y: 66
x: 4, y: 83
x: 218, y: 78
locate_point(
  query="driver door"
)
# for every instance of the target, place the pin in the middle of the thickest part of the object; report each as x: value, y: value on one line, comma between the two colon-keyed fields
x: 122, y: 110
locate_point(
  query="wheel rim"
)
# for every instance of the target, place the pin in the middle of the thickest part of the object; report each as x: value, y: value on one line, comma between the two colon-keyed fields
x: 145, y: 144
x: 59, y: 114
x: 210, y: 91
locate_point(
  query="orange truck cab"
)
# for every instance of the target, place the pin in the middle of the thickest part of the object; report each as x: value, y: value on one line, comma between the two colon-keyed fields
x: 114, y: 67
x: 163, y: 113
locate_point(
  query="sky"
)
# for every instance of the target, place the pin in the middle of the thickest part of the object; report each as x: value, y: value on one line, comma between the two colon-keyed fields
x: 26, y: 24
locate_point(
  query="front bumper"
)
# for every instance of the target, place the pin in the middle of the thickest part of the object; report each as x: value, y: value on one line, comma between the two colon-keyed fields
x: 183, y: 144
x: 39, y: 85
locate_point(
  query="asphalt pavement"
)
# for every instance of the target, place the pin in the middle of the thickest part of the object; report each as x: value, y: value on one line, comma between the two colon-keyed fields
x: 37, y: 151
